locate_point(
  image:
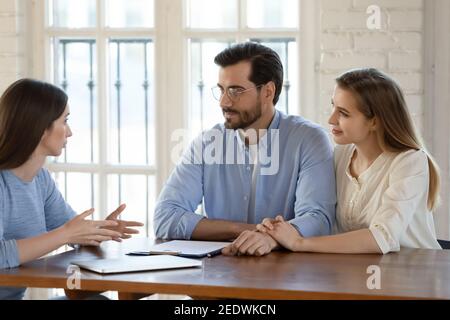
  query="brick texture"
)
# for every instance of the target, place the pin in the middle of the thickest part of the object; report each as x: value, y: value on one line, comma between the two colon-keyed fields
x: 396, y: 47
x: 11, y: 57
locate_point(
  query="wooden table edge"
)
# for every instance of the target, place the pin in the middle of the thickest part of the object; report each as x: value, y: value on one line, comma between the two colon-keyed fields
x: 128, y: 289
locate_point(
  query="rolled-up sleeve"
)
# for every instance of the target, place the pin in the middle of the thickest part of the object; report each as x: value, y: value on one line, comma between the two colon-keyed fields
x: 408, y: 189
x: 175, y: 216
x: 315, y: 203
x: 9, y: 255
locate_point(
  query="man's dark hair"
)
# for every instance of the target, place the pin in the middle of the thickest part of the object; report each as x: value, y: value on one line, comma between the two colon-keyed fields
x: 265, y: 63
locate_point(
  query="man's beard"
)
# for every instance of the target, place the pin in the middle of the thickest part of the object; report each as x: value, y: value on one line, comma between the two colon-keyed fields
x: 246, y: 118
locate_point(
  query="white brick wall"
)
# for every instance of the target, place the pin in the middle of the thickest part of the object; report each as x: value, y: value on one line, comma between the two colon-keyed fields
x: 11, y: 55
x: 397, y: 48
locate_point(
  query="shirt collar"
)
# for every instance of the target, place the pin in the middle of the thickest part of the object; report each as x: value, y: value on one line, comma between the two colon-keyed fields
x: 364, y: 176
x: 263, y: 143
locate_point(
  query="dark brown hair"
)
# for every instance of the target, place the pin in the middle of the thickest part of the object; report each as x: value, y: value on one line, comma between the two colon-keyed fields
x: 265, y: 63
x: 27, y: 108
x: 381, y: 97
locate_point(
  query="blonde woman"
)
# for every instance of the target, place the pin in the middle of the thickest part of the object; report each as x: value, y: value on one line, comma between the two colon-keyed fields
x: 387, y: 184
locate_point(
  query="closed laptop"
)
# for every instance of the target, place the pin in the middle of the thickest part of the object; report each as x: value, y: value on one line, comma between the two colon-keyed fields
x: 134, y: 264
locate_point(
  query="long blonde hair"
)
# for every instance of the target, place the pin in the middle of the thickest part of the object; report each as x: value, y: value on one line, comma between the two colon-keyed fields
x: 380, y: 96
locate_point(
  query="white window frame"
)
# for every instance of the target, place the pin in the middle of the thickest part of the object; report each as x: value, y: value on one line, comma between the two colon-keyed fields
x: 437, y: 101
x: 305, y: 36
x: 42, y: 69
x: 171, y: 74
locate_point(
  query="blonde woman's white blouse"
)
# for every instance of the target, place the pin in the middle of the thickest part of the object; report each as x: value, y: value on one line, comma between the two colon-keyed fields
x: 389, y: 199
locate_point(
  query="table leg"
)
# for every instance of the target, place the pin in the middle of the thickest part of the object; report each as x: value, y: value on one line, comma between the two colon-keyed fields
x: 205, y: 298
x: 132, y: 296
x: 80, y: 294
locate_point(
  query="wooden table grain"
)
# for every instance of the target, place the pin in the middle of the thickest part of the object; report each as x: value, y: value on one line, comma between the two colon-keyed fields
x: 408, y: 274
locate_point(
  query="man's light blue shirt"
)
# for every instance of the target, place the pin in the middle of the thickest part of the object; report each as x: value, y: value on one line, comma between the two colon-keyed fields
x: 296, y: 180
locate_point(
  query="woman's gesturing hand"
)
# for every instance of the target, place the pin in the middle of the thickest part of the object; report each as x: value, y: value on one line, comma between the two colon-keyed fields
x: 123, y: 226
x: 79, y: 230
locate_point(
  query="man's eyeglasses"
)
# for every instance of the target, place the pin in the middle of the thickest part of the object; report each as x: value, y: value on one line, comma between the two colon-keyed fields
x: 232, y: 93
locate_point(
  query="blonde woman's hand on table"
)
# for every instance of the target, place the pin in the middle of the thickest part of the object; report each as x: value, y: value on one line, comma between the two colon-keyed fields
x: 282, y: 232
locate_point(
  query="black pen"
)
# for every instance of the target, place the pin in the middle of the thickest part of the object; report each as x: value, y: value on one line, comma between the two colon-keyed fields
x: 138, y: 253
x: 214, y: 253
x: 148, y: 253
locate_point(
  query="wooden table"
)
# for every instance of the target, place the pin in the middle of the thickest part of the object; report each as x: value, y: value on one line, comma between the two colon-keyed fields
x: 411, y: 273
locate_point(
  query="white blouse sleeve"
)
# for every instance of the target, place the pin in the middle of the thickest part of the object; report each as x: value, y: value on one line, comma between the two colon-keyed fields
x: 405, y: 196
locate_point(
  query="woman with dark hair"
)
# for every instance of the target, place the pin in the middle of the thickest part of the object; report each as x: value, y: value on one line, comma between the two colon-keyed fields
x: 387, y: 184
x: 34, y: 218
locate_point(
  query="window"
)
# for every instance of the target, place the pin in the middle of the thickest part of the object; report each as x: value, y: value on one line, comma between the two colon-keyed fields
x: 135, y: 72
x: 213, y: 25
x: 102, y: 55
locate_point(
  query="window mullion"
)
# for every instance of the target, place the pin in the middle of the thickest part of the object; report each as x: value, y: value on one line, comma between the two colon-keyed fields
x: 40, y: 63
x: 308, y: 48
x: 170, y: 74
x: 242, y: 20
x: 244, y: 34
x: 102, y: 120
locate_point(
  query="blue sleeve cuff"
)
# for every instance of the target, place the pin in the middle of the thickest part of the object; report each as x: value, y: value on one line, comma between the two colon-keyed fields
x: 9, y: 253
x: 311, y: 225
x: 190, y: 220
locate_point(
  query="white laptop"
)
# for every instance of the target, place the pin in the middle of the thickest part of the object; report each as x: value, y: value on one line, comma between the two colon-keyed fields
x: 134, y: 264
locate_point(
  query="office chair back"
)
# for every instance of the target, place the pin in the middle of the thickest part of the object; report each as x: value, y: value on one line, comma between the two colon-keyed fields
x: 444, y: 244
